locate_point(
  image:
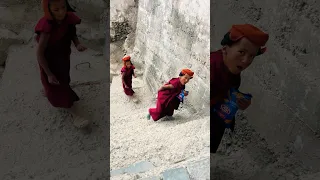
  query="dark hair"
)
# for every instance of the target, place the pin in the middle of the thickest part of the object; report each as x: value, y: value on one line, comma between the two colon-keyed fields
x: 226, y: 41
x: 124, y: 62
x: 181, y: 74
x: 69, y: 8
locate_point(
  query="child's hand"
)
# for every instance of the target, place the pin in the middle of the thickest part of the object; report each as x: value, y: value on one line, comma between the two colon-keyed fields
x: 134, y: 76
x: 243, y: 104
x: 81, y: 48
x: 53, y: 80
x: 186, y: 93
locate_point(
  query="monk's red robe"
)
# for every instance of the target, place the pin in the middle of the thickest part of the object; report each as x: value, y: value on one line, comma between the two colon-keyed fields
x: 57, y: 54
x: 221, y: 80
x: 167, y: 100
x: 128, y: 73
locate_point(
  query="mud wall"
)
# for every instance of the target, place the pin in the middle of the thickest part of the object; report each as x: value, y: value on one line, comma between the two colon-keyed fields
x: 285, y: 81
x: 171, y: 35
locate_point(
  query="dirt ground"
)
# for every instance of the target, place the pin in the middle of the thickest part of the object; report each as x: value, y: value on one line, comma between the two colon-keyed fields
x: 249, y: 158
x: 37, y: 140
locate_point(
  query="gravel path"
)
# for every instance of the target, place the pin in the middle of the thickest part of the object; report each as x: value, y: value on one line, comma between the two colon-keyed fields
x: 163, y: 143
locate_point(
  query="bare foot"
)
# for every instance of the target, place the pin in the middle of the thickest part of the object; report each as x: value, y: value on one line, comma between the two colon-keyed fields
x: 80, y: 122
x: 135, y: 99
x: 78, y: 117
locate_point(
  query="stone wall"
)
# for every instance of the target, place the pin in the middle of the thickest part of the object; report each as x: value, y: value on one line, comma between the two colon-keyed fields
x: 285, y: 81
x: 123, y: 21
x: 171, y: 35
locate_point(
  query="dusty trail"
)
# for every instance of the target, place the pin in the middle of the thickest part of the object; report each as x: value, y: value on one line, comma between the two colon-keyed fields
x: 163, y: 143
x: 39, y: 141
x: 250, y: 159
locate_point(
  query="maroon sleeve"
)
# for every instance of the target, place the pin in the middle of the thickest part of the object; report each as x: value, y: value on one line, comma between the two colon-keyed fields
x: 175, y: 82
x: 73, y: 19
x: 43, y: 25
x: 123, y: 70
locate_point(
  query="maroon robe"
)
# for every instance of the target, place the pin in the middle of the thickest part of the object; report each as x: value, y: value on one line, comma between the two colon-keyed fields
x: 57, y: 55
x: 167, y: 100
x: 221, y: 80
x: 128, y: 73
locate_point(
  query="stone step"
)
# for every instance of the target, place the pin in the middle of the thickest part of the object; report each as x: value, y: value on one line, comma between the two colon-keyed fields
x: 152, y: 178
x: 176, y: 174
x: 184, y: 170
x: 139, y: 167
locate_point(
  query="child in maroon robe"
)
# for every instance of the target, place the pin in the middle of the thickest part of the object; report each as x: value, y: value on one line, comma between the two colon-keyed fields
x: 127, y: 72
x: 55, y: 32
x: 240, y: 46
x: 167, y: 100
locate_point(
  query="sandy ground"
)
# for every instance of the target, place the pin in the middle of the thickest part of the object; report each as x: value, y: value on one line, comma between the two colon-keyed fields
x: 135, y: 139
x: 250, y: 159
x: 39, y: 141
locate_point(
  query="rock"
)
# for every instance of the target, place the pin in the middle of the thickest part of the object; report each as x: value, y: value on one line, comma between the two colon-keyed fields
x: 152, y: 178
x: 200, y: 169
x: 176, y: 174
x: 129, y: 42
x: 314, y: 176
x: 135, y: 168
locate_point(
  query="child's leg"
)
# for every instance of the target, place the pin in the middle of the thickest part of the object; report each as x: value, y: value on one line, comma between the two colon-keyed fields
x: 217, y: 128
x: 155, y: 113
x: 61, y: 96
x: 169, y: 111
x: 128, y: 91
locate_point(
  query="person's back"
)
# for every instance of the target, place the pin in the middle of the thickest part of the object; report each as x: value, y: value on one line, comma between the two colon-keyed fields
x: 167, y: 100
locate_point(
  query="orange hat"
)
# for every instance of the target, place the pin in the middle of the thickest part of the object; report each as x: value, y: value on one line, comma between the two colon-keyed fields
x: 126, y: 58
x: 187, y: 71
x: 249, y: 31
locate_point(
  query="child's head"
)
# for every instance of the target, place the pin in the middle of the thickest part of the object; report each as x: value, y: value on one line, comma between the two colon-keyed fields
x: 56, y: 9
x: 127, y: 64
x: 241, y: 45
x: 185, y: 75
x: 127, y: 61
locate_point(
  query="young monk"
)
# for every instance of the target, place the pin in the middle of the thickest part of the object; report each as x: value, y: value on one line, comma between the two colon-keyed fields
x: 167, y: 100
x: 55, y: 32
x: 127, y: 72
x: 240, y: 46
